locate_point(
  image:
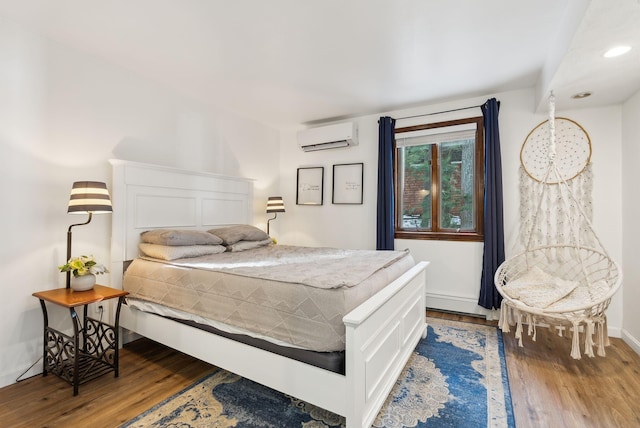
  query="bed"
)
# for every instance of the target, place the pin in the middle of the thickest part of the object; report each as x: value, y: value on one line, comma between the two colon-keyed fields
x: 379, y: 334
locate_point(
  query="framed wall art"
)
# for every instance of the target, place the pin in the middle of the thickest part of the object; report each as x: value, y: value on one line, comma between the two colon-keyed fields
x: 347, y: 183
x: 309, y: 191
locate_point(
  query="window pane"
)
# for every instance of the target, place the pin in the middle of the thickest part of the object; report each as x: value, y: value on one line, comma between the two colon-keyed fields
x: 457, y: 185
x: 416, y: 188
x: 450, y: 207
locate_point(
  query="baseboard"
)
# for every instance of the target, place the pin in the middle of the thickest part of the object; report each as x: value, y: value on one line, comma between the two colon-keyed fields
x: 459, y: 304
x: 633, y: 342
x: 614, y: 331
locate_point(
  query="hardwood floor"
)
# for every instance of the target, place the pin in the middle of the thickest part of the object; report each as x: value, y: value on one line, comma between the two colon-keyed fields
x: 551, y: 389
x: 548, y: 387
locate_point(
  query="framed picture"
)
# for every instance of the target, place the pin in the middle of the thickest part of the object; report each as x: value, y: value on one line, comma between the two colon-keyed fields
x: 347, y: 183
x: 309, y: 190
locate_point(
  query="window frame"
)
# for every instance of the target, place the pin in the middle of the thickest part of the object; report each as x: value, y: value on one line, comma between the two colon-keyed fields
x: 438, y: 233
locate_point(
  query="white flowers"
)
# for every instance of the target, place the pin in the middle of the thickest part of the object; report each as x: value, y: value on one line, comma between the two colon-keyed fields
x: 83, y: 265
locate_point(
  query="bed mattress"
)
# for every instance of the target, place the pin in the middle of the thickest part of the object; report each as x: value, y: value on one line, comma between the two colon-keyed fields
x: 254, y: 292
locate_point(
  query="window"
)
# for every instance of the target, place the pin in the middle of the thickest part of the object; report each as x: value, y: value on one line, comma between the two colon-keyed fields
x: 439, y: 179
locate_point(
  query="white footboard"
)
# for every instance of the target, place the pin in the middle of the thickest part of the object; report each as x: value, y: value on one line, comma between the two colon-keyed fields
x: 381, y: 335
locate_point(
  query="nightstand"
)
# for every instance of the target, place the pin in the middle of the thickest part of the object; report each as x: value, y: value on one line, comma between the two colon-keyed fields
x: 93, y: 349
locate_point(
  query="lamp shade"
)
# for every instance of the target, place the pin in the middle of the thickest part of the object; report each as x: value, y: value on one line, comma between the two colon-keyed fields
x: 89, y: 197
x: 275, y: 204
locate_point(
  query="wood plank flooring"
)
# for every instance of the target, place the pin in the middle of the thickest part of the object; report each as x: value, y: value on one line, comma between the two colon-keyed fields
x: 551, y: 389
x: 548, y: 387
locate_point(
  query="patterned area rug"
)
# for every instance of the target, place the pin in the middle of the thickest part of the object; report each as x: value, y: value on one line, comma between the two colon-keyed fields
x: 455, y: 378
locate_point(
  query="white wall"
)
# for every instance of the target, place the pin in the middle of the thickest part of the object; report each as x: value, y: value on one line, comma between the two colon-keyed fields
x: 630, y: 216
x: 63, y: 114
x: 453, y: 276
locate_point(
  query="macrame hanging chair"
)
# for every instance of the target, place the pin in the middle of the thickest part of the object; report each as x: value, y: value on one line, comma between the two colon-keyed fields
x: 564, y: 277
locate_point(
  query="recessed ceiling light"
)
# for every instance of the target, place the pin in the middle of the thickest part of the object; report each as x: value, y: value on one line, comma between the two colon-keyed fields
x: 581, y: 95
x: 617, y: 51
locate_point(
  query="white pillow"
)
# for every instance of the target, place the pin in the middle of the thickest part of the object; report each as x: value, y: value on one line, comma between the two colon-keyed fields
x: 170, y: 252
x: 538, y: 289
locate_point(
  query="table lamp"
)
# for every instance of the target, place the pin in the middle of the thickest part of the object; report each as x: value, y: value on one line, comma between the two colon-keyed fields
x: 87, y: 197
x: 275, y: 205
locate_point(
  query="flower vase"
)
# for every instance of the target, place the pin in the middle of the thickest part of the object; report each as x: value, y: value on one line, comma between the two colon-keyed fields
x: 83, y: 282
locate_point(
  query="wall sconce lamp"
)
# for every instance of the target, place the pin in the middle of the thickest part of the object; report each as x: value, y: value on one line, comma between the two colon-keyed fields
x: 87, y: 197
x: 275, y: 205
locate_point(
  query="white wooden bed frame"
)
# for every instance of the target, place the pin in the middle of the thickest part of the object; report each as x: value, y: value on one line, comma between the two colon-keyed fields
x: 381, y: 333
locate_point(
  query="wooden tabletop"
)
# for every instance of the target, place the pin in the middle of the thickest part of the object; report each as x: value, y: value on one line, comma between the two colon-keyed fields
x: 69, y: 298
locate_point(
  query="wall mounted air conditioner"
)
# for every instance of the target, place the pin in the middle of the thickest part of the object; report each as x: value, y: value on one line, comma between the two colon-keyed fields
x: 328, y: 137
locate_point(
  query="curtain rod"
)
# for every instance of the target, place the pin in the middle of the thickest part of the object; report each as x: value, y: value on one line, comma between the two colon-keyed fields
x: 440, y: 112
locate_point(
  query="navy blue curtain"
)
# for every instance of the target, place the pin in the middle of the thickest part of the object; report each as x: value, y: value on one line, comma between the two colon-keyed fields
x: 493, y: 254
x: 385, y: 224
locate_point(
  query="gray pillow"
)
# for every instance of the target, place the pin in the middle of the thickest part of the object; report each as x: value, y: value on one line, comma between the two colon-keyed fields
x: 242, y: 232
x: 172, y: 252
x: 179, y: 237
x: 247, y: 245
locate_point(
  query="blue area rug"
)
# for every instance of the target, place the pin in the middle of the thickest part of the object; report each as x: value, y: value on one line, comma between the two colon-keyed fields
x: 456, y: 378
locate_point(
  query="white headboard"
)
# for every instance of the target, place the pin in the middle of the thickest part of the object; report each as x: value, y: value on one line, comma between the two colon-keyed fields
x: 148, y: 197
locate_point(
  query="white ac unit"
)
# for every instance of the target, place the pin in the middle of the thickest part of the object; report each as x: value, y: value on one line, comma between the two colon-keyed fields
x: 328, y: 137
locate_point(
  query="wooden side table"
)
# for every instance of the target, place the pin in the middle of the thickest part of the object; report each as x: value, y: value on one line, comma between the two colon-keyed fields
x: 93, y: 349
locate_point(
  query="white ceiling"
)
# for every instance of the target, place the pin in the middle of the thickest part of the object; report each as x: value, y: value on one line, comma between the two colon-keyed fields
x: 292, y: 62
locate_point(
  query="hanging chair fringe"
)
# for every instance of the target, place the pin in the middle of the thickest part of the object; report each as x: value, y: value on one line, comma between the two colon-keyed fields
x: 505, y: 319
x: 594, y: 331
x: 575, y: 343
x: 600, y: 335
x: 518, y: 334
x: 533, y: 324
x: 588, y: 340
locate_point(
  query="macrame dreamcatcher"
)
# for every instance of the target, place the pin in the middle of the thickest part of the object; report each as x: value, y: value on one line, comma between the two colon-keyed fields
x: 562, y: 276
x: 571, y: 173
